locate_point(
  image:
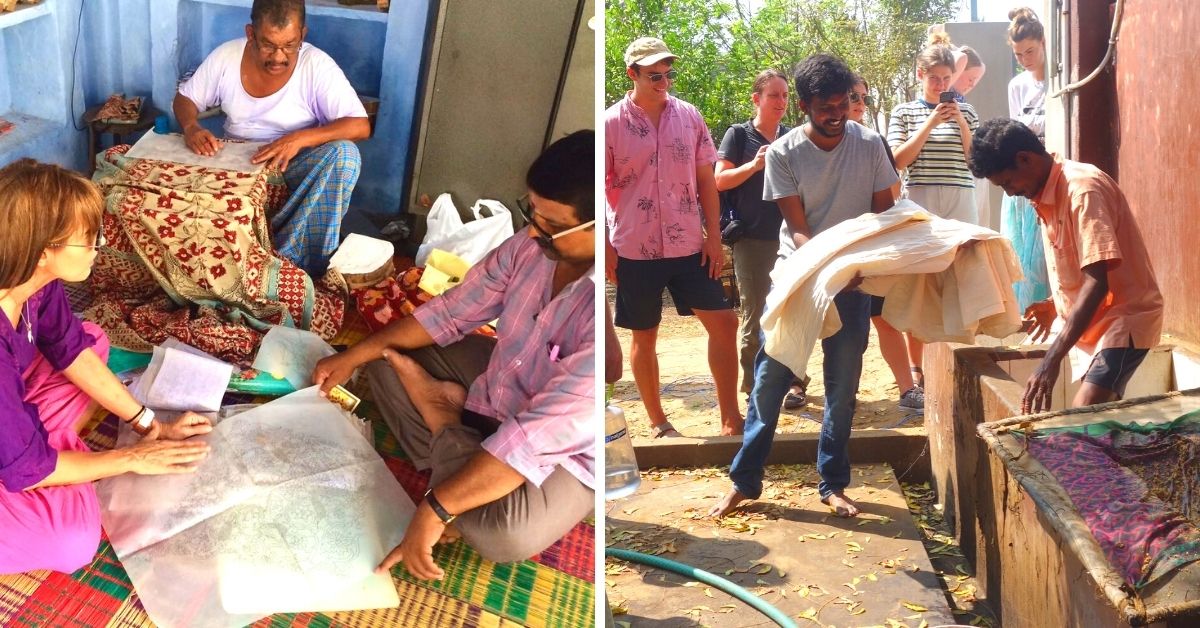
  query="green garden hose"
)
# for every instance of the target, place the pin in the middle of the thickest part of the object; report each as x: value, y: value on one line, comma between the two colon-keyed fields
x: 694, y: 573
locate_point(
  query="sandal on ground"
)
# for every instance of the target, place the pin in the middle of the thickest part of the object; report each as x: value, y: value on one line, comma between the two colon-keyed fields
x: 664, y: 430
x: 794, y: 399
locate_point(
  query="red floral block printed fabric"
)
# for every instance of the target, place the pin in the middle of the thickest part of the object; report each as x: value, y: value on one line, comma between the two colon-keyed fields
x: 189, y: 256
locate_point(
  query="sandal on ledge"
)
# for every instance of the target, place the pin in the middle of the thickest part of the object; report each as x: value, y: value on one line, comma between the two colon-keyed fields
x: 664, y: 430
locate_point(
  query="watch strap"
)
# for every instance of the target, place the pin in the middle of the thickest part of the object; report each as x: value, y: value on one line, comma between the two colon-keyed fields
x: 143, y: 421
x: 438, y: 510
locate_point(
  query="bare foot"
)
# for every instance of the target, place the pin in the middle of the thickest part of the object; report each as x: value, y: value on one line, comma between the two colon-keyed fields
x: 841, y: 505
x: 440, y: 403
x: 734, y: 427
x: 727, y: 504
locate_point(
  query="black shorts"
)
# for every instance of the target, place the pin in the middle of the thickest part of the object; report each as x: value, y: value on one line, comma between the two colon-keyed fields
x: 640, y: 284
x: 876, y: 306
x: 1111, y: 368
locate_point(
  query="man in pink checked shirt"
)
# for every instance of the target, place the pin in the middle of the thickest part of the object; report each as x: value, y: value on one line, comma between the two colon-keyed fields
x: 658, y: 179
x: 505, y: 424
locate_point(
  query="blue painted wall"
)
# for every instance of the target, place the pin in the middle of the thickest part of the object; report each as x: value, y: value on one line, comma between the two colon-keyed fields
x: 140, y: 47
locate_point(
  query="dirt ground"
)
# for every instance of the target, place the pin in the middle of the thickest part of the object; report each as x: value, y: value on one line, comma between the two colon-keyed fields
x: 690, y: 400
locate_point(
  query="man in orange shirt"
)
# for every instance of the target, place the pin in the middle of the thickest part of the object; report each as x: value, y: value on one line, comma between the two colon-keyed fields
x: 1100, y: 275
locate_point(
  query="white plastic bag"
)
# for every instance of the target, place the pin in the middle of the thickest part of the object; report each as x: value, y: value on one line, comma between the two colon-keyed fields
x: 470, y: 241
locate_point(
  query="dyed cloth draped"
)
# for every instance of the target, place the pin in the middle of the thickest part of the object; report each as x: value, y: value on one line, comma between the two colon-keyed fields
x: 1019, y: 223
x: 189, y: 256
x: 1136, y: 486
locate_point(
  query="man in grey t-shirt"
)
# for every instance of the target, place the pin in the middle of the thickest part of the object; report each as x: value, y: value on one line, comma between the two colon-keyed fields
x: 826, y: 171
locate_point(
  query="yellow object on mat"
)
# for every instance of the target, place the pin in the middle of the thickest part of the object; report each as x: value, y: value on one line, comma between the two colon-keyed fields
x: 443, y: 271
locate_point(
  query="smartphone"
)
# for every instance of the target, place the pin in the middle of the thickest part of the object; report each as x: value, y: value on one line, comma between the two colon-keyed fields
x: 946, y: 97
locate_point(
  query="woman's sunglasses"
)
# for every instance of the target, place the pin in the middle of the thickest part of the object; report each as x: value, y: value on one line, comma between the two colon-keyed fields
x: 856, y: 98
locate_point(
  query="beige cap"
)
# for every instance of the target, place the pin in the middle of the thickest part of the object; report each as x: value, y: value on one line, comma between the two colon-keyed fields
x: 647, y: 51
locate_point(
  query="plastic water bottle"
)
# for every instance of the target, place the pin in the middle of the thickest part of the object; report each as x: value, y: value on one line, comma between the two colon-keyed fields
x: 621, y: 475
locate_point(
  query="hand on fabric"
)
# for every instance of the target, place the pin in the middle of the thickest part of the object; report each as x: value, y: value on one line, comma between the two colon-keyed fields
x: 334, y: 370
x: 610, y: 263
x: 1038, y: 318
x: 159, y: 457
x: 712, y: 255
x: 854, y: 283
x: 1040, y: 387
x: 187, y: 426
x: 416, y: 549
x: 201, y: 141
x: 278, y: 154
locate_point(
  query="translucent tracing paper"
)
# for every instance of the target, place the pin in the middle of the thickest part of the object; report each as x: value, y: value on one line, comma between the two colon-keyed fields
x: 291, y: 512
x: 171, y: 147
x: 291, y: 354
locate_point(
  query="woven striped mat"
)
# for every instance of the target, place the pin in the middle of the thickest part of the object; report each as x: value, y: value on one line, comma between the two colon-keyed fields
x: 555, y: 588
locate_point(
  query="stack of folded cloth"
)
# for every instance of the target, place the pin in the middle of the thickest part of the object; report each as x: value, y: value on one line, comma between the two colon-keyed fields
x: 120, y: 110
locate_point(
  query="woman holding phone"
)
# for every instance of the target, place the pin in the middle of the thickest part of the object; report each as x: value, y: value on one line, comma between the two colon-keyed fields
x: 931, y: 139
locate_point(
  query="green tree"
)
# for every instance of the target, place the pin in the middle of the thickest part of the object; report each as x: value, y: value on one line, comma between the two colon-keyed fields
x: 722, y: 45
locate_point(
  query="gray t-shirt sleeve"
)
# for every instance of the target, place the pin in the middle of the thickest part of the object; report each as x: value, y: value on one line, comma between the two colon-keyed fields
x: 778, y: 181
x: 885, y: 173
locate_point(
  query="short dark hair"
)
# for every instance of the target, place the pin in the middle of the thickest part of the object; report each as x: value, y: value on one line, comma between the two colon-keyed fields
x: 822, y: 75
x: 565, y: 173
x: 276, y: 12
x: 995, y: 146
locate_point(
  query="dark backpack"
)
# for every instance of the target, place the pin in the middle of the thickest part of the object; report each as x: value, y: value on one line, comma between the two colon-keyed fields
x: 731, y: 224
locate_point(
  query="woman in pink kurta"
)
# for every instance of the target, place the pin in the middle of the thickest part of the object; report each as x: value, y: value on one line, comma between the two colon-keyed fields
x: 51, y: 372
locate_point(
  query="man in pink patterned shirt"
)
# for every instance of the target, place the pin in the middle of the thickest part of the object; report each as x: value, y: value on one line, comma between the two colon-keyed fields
x: 658, y: 178
x: 513, y: 459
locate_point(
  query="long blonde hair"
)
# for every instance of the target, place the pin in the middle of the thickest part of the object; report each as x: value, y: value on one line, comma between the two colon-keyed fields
x: 43, y: 204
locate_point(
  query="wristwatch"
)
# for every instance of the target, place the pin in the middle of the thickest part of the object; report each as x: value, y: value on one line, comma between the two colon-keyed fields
x: 441, y: 513
x: 142, y: 421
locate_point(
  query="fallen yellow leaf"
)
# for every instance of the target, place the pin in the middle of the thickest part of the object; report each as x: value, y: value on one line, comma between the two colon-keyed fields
x: 914, y: 607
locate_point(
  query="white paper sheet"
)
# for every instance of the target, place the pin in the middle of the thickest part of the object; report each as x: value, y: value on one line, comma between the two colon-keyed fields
x: 171, y: 147
x: 291, y: 354
x: 290, y: 512
x: 180, y: 377
x: 360, y: 254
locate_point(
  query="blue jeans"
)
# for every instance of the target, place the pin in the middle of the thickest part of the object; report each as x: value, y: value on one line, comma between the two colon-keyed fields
x: 842, y: 369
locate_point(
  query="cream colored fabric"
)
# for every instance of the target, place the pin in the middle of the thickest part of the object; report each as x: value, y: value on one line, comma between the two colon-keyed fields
x: 934, y: 287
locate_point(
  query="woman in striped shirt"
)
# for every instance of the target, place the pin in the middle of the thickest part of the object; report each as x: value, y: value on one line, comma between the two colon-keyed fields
x: 932, y: 139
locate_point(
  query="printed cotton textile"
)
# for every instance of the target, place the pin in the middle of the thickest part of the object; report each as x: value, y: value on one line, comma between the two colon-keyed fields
x: 934, y: 286
x: 189, y: 256
x: 1136, y: 486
